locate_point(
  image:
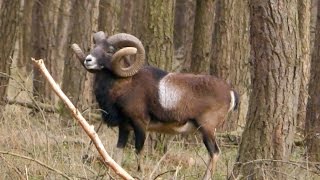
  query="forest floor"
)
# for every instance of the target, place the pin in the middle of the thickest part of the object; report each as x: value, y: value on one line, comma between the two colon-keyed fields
x: 45, y: 146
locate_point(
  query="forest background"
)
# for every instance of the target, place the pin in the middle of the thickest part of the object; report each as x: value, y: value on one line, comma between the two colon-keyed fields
x: 268, y: 50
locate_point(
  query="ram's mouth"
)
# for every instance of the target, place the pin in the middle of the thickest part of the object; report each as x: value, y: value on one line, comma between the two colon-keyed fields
x: 92, y: 66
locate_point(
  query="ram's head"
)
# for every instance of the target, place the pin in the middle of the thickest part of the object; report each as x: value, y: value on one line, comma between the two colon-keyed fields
x: 112, y: 53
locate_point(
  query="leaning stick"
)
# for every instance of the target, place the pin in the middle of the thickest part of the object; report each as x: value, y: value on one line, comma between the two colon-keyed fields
x: 89, y: 129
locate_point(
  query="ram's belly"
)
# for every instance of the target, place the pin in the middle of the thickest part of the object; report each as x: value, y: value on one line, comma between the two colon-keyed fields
x: 172, y: 128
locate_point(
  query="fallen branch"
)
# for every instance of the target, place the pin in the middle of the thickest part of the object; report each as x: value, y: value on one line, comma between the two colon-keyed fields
x: 84, y: 124
x: 39, y: 106
x: 36, y: 106
x: 37, y: 161
x: 294, y: 163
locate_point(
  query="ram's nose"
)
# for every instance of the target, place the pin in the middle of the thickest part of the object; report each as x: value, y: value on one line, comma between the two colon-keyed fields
x: 87, y: 60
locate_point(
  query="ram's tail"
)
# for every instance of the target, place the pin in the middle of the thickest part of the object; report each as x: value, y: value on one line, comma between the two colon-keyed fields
x: 234, y: 102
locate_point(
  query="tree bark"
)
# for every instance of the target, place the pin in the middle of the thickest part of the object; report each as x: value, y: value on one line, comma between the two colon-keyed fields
x: 157, y: 33
x: 183, y: 34
x: 44, y: 22
x: 231, y: 53
x: 23, y: 62
x: 202, y: 39
x: 109, y: 15
x: 304, y: 11
x: 9, y: 19
x: 312, y: 131
x: 126, y: 16
x: 75, y: 83
x: 276, y: 53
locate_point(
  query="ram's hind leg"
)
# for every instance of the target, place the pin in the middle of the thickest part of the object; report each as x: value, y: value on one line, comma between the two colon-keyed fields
x: 208, y: 123
x: 213, y: 150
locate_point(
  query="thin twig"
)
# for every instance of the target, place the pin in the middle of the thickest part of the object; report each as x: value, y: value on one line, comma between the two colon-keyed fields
x: 156, y: 167
x: 161, y: 174
x: 37, y: 161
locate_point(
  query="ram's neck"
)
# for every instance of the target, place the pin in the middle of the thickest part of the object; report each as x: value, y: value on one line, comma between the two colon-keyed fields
x: 104, y: 82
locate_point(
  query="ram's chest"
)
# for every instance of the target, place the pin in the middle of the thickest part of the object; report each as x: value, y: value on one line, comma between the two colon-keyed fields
x: 119, y: 88
x: 113, y: 90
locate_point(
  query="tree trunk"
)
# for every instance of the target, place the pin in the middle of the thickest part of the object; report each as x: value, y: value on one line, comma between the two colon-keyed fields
x: 126, y: 16
x: 83, y: 22
x: 183, y: 34
x: 24, y: 62
x: 231, y: 51
x: 109, y: 13
x: 44, y: 21
x: 157, y: 33
x: 202, y: 37
x: 9, y: 19
x: 313, y: 111
x: 304, y: 11
x: 276, y: 53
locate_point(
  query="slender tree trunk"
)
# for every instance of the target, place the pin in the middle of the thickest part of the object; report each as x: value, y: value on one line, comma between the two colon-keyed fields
x: 109, y: 14
x: 126, y: 16
x: 183, y: 34
x: 304, y: 32
x: 25, y: 39
x: 9, y: 18
x: 231, y: 51
x: 312, y: 131
x: 83, y: 21
x: 157, y: 33
x: 44, y: 21
x: 276, y: 53
x: 202, y: 39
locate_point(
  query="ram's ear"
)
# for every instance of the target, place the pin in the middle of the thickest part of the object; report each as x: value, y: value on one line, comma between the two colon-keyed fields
x: 98, y: 37
x: 111, y: 49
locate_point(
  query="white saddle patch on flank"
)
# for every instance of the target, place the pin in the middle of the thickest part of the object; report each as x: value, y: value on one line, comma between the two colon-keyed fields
x: 169, y: 94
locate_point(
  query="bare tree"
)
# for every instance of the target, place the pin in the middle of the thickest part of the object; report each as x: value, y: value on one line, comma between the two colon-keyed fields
x: 157, y: 32
x: 9, y: 18
x: 312, y: 120
x: 304, y: 11
x: 231, y: 51
x: 276, y: 58
x: 83, y: 22
x: 202, y: 37
x: 109, y: 15
x: 43, y: 41
x: 183, y: 34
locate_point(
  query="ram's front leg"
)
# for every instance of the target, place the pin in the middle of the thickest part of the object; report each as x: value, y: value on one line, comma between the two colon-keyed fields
x: 140, y: 137
x: 122, y: 141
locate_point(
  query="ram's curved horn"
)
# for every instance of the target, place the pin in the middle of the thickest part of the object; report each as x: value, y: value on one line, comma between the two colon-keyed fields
x: 123, y: 40
x: 80, y: 55
x: 78, y: 51
x: 120, y: 54
x: 98, y: 36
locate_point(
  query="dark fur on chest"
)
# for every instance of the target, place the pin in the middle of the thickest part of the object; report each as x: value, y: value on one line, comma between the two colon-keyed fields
x: 111, y: 113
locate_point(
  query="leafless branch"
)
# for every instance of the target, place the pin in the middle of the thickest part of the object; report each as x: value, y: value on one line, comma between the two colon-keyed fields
x: 89, y: 129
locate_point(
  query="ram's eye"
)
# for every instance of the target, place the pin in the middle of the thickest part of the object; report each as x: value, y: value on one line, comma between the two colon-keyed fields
x: 111, y: 49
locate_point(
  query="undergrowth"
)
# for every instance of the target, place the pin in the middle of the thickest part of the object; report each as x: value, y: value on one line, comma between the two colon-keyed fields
x: 45, y: 146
